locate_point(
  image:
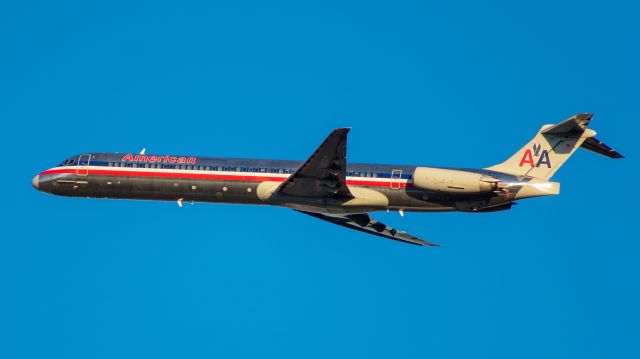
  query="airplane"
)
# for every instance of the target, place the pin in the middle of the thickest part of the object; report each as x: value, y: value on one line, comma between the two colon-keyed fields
x: 325, y: 186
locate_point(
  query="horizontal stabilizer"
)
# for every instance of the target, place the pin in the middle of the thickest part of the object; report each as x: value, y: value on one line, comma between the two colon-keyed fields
x: 595, y: 145
x: 572, y: 126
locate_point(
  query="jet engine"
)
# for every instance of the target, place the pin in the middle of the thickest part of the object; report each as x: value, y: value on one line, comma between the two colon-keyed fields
x: 453, y: 181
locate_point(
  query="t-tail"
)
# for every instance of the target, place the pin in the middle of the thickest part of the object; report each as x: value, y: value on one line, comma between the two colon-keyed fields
x: 552, y: 146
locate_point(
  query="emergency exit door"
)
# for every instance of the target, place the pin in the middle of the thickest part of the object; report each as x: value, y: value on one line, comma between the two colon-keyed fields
x: 396, y: 175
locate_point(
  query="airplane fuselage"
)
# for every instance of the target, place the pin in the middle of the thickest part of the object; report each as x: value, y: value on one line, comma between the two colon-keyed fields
x: 253, y: 181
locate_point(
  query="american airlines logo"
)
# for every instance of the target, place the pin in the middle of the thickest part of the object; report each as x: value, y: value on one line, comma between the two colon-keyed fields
x: 158, y: 159
x: 542, y: 157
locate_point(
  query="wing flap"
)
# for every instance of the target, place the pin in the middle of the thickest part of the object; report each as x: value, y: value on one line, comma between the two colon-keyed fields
x: 364, y: 223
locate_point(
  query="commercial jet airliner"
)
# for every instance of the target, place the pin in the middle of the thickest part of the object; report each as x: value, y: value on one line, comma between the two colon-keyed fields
x: 325, y: 186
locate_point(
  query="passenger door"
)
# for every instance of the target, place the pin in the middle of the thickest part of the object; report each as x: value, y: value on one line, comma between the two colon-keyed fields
x: 83, y: 165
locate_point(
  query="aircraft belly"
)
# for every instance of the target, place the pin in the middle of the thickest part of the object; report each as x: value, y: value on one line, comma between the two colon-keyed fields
x: 417, y: 200
x: 169, y: 189
x: 366, y: 199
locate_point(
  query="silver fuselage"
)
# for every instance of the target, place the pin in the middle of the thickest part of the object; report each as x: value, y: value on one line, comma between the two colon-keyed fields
x: 254, y: 181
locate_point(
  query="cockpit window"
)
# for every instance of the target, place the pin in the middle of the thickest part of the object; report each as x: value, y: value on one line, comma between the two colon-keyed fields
x: 67, y: 162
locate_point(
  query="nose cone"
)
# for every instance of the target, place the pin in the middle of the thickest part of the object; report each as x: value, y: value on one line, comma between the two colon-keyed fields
x: 36, y: 182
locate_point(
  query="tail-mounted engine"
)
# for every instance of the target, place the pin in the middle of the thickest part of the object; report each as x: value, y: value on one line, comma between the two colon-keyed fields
x: 454, y: 181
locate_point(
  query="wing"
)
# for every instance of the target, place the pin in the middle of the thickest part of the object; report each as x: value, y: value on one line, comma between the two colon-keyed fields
x: 362, y: 222
x: 323, y: 174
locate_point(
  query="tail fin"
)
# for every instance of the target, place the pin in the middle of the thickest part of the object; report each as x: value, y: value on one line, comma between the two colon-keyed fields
x: 552, y: 146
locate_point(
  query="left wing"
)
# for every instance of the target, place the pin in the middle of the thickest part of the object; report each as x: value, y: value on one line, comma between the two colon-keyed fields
x: 323, y: 174
x: 362, y: 222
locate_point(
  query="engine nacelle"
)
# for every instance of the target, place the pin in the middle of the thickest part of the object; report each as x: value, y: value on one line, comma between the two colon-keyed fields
x: 453, y: 181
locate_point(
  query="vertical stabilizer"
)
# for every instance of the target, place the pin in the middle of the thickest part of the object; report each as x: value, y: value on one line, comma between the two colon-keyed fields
x: 550, y: 148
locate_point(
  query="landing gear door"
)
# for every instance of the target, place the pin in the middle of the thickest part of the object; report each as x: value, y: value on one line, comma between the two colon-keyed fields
x: 396, y: 175
x: 83, y: 165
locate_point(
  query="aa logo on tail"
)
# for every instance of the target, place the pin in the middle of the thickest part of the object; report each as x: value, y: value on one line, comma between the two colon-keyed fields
x: 543, y: 157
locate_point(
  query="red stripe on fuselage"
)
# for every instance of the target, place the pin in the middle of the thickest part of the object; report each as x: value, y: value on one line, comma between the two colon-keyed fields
x: 208, y: 176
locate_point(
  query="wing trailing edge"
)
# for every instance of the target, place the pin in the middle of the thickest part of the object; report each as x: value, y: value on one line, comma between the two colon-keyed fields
x: 364, y: 223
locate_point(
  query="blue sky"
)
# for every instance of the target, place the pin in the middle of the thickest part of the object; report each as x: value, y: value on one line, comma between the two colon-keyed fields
x: 433, y: 83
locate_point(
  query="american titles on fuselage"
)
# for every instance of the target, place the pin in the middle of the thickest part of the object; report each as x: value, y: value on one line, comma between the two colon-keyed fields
x: 158, y: 159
